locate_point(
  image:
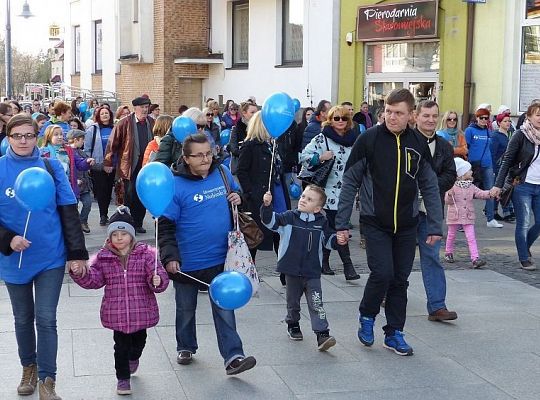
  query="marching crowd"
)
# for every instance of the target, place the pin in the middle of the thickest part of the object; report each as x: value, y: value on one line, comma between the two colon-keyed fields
x: 401, y: 167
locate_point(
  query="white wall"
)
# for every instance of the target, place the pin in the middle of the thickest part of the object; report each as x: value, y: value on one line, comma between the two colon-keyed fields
x: 262, y: 78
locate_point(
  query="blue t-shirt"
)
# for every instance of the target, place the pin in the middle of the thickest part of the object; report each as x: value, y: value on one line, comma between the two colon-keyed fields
x: 47, y: 250
x: 201, y: 213
x: 105, y: 132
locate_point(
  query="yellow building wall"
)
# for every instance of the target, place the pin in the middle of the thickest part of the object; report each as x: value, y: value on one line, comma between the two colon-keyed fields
x: 452, y: 31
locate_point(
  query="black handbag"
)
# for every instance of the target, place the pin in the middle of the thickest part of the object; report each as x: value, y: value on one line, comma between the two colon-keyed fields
x: 317, y: 174
x: 507, y: 190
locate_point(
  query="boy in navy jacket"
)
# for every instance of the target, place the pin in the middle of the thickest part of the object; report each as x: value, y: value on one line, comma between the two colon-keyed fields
x: 303, y: 233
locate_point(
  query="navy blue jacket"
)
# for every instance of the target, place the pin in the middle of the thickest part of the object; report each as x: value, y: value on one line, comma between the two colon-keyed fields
x: 498, y: 144
x: 302, y: 237
x: 313, y: 129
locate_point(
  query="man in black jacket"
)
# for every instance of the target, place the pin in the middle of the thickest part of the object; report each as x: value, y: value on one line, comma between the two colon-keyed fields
x: 388, y: 163
x: 442, y: 162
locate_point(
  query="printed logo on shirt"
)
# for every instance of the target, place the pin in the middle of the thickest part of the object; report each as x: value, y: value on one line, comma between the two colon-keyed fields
x: 198, y: 198
x: 10, y: 193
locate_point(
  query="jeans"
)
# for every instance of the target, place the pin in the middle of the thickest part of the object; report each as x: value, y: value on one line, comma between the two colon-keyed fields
x: 487, y: 182
x: 432, y: 270
x: 298, y: 285
x: 127, y: 347
x: 526, y: 199
x: 86, y: 200
x: 47, y: 286
x: 229, y: 343
x: 390, y: 257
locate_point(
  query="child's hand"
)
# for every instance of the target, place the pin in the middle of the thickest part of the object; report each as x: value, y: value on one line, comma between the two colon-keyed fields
x: 342, y: 237
x: 156, y: 280
x: 75, y: 268
x: 267, y: 199
x: 90, y: 161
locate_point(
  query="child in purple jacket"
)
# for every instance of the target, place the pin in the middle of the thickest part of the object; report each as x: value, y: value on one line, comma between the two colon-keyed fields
x: 126, y: 269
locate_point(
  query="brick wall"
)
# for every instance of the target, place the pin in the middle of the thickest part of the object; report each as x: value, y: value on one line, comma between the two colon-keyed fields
x: 76, y: 80
x: 97, y: 82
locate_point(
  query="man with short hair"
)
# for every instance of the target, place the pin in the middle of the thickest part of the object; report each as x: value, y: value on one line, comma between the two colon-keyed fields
x: 314, y: 125
x: 442, y: 162
x: 349, y: 106
x: 388, y: 163
x: 127, y: 144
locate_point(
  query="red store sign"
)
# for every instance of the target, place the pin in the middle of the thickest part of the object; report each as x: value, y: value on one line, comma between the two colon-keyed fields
x: 409, y: 20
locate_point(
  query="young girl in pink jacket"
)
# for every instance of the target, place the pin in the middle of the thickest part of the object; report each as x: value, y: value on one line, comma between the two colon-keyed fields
x: 126, y: 269
x: 461, y: 211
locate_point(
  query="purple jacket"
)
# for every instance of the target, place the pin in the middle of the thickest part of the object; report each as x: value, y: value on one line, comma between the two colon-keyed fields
x: 76, y: 163
x: 460, y: 204
x: 129, y: 303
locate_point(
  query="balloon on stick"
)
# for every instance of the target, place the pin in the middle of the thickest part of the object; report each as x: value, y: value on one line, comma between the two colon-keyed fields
x: 277, y: 113
x: 155, y: 187
x: 225, y: 136
x: 4, y: 146
x: 296, y: 104
x: 230, y: 290
x: 83, y: 107
x: 295, y: 190
x: 182, y: 127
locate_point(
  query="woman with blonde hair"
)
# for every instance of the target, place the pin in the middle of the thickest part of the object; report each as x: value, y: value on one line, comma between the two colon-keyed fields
x: 211, y: 128
x: 448, y: 129
x: 214, y: 109
x: 334, y: 142
x: 254, y: 165
x: 162, y: 126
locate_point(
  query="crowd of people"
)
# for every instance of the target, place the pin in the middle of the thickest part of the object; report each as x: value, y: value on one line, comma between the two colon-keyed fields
x: 402, y: 164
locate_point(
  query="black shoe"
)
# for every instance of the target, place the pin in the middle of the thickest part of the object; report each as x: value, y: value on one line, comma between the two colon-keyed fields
x: 184, y: 357
x: 509, y: 218
x: 294, y: 332
x: 103, y: 220
x: 325, y: 341
x: 240, y: 364
x: 140, y: 229
x: 326, y: 270
x: 350, y: 272
x: 282, y: 279
x: 85, y: 227
x: 498, y: 217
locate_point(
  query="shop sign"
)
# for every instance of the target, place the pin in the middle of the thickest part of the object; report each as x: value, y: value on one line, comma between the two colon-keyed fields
x: 409, y: 20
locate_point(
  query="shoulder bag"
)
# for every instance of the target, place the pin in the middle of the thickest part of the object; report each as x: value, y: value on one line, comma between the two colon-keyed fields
x: 317, y: 174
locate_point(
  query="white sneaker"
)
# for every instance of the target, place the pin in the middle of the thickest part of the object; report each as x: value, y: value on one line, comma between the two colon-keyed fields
x: 494, y: 224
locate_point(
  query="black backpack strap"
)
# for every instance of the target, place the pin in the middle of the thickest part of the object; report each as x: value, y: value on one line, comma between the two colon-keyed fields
x: 93, y: 141
x: 48, y: 166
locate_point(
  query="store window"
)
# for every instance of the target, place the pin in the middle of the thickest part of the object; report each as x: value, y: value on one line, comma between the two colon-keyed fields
x: 240, y: 33
x: 529, y: 82
x: 403, y: 57
x: 98, y: 42
x: 532, y: 9
x: 77, y: 49
x: 293, y: 31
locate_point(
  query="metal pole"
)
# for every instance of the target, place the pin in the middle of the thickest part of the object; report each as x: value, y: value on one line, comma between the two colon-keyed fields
x: 9, y: 93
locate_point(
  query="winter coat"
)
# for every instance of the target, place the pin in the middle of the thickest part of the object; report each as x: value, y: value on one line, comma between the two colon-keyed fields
x: 229, y: 121
x: 460, y: 204
x: 498, y: 145
x: 153, y: 147
x: 129, y: 303
x: 288, y: 148
x: 124, y: 143
x: 214, y: 132
x: 313, y: 129
x: 516, y: 160
x: 303, y: 237
x: 84, y: 183
x: 478, y: 140
x: 253, y: 173
x: 238, y: 135
x: 169, y: 150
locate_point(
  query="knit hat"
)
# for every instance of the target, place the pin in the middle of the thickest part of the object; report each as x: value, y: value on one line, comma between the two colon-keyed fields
x: 482, y: 111
x: 503, y: 109
x: 502, y: 116
x: 462, y: 166
x: 121, y: 220
x: 74, y: 134
x: 487, y: 106
x: 141, y: 101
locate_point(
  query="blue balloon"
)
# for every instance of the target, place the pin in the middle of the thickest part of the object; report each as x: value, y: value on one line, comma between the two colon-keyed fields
x: 225, y: 136
x: 230, y: 290
x: 182, y: 127
x: 35, y: 189
x: 278, y: 113
x: 295, y: 190
x: 155, y: 187
x: 83, y: 107
x: 296, y: 104
x: 4, y: 146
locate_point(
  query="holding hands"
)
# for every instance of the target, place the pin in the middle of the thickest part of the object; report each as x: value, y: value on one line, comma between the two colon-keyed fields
x: 78, y: 267
x: 495, y: 192
x: 90, y: 161
x: 267, y: 199
x: 342, y: 237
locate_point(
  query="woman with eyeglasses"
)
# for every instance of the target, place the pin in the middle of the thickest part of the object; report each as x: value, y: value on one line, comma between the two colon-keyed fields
x: 52, y: 238
x: 212, y: 129
x: 214, y: 108
x: 334, y: 142
x: 478, y: 138
x: 231, y: 117
x: 449, y: 130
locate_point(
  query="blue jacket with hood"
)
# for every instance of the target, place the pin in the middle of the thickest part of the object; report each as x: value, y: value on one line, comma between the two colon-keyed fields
x: 478, y: 140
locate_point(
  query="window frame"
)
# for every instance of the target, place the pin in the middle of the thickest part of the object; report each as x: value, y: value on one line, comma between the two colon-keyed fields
x: 77, y: 49
x: 238, y: 65
x: 284, y: 61
x: 96, y: 69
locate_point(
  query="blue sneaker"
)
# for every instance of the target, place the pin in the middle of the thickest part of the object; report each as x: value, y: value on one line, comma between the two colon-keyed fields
x: 397, y: 343
x: 365, y: 333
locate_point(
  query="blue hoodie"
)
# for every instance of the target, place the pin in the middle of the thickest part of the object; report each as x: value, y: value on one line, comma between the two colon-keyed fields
x: 478, y: 140
x: 47, y: 250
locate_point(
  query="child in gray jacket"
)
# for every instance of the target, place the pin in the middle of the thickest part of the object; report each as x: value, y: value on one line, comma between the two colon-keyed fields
x: 303, y: 233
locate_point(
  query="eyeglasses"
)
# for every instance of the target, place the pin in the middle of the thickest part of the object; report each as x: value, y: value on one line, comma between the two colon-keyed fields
x: 233, y: 109
x: 27, y: 136
x: 484, y: 118
x: 344, y: 119
x: 201, y: 156
x: 451, y: 119
x: 200, y: 126
x: 209, y: 114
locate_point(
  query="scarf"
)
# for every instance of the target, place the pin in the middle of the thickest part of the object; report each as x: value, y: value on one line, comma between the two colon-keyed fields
x: 452, y: 135
x: 464, y: 184
x: 346, y: 140
x: 369, y: 122
x: 530, y: 132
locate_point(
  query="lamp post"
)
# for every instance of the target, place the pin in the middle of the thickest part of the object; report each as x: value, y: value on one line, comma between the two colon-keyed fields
x: 25, y: 14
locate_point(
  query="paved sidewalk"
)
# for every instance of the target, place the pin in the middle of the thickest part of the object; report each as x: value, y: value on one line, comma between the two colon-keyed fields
x: 490, y: 352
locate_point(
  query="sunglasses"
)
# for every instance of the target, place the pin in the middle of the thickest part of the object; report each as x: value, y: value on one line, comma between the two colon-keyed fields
x: 344, y: 119
x: 451, y: 119
x: 200, y: 126
x: 209, y: 114
x: 484, y: 118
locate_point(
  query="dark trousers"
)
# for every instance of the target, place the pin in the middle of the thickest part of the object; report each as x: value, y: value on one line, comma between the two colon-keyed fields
x: 132, y: 200
x: 343, y: 250
x: 127, y: 347
x: 275, y: 239
x: 103, y: 184
x: 390, y: 257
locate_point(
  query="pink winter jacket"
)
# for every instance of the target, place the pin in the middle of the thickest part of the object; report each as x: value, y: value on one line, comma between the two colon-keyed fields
x: 129, y: 303
x: 460, y: 204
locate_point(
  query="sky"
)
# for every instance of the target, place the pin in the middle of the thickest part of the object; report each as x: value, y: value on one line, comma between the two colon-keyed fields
x: 32, y: 35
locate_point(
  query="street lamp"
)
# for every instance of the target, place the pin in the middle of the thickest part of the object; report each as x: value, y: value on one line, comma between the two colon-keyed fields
x: 25, y: 14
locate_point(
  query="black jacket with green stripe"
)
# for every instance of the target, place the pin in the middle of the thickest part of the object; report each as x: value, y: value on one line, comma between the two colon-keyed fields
x: 389, y: 170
